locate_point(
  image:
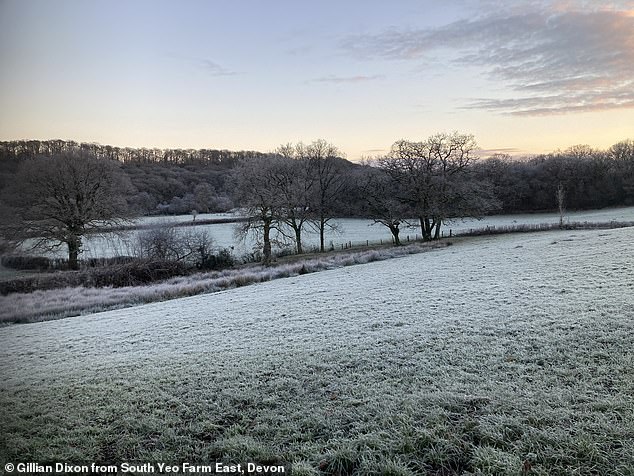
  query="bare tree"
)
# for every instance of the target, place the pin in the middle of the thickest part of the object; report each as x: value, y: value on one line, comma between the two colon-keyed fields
x: 255, y: 189
x: 60, y: 199
x: 431, y: 175
x: 561, y: 197
x: 9, y: 226
x: 296, y: 185
x: 326, y: 167
x: 294, y: 182
x: 622, y: 155
x: 169, y: 243
x: 380, y: 193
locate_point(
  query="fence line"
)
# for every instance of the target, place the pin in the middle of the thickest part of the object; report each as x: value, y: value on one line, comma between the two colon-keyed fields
x: 487, y: 230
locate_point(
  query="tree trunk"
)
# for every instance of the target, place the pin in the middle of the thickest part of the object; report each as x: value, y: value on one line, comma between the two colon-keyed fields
x: 267, y: 243
x: 561, y: 195
x: 395, y: 232
x: 437, y: 224
x: 74, y: 245
x: 298, y: 239
x: 322, y: 232
x: 426, y: 228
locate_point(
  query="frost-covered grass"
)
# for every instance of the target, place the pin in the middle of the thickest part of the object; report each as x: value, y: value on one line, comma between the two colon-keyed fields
x: 532, y: 227
x: 44, y: 305
x: 495, y: 354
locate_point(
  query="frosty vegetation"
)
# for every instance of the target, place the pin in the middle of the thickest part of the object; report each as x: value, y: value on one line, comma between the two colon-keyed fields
x: 56, y: 303
x: 514, y: 359
x: 476, y: 317
x: 506, y: 354
x: 58, y: 200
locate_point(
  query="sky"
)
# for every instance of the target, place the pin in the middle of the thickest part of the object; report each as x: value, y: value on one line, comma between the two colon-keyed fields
x: 523, y: 76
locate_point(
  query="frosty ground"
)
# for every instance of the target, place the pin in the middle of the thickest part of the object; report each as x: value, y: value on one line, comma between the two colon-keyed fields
x: 486, y: 357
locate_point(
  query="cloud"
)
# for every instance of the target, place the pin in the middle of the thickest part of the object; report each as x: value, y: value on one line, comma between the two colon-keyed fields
x: 346, y: 79
x: 559, y: 104
x: 553, y: 56
x: 503, y: 151
x: 208, y: 65
x: 215, y: 69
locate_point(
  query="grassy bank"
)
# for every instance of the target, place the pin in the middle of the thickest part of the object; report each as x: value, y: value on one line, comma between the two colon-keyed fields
x: 503, y: 355
x: 531, y: 228
x: 71, y: 300
x: 43, y: 305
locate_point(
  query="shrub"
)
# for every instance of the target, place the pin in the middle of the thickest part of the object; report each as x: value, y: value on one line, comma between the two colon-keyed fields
x: 131, y: 273
x: 192, y: 247
x: 6, y: 246
x: 27, y: 262
x: 101, y: 262
x: 284, y: 252
x: 162, y: 244
x: 221, y: 260
x: 139, y: 271
x: 527, y: 228
x: 253, y: 257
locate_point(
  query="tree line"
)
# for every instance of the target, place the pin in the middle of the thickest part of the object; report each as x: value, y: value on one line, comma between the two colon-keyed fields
x: 61, y: 190
x: 591, y: 178
x: 165, y: 181
x: 25, y: 149
x: 177, y: 181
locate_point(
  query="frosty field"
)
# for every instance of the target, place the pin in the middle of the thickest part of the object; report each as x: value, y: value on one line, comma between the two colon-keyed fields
x: 490, y: 356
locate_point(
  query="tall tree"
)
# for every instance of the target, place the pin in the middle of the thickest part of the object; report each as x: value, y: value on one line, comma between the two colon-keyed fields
x: 432, y: 175
x: 380, y: 193
x: 294, y: 184
x: 622, y: 155
x: 60, y: 199
x: 326, y: 167
x: 255, y: 187
x: 561, y: 203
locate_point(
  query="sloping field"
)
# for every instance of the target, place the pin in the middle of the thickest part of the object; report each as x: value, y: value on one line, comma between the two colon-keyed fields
x: 494, y: 356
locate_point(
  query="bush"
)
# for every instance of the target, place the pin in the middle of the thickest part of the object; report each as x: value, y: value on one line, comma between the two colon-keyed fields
x: 6, y: 246
x: 22, y: 285
x: 223, y: 259
x: 253, y: 257
x: 102, y: 262
x: 191, y: 247
x: 284, y: 252
x: 42, y: 263
x: 162, y: 244
x: 27, y: 262
x: 133, y: 273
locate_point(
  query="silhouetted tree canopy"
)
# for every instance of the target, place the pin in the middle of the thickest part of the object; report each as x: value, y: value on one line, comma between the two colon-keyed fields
x: 176, y: 181
x: 57, y: 200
